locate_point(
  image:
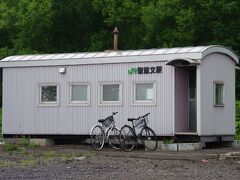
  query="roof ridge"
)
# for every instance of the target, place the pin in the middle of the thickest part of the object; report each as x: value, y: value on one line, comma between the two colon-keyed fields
x: 119, y: 52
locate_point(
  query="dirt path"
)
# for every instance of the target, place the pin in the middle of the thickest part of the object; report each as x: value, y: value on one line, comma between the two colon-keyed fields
x: 80, y: 162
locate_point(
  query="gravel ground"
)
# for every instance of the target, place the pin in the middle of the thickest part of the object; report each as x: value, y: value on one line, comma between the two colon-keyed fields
x: 66, y: 162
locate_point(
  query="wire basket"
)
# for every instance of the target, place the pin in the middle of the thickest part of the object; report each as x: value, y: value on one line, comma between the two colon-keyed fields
x: 108, y: 122
x: 140, y: 123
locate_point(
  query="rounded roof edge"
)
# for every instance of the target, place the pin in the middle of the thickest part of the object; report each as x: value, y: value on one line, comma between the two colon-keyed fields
x: 220, y: 49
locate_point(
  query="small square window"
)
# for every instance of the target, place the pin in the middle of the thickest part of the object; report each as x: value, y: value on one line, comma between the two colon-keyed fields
x: 218, y: 94
x: 110, y: 93
x: 49, y: 94
x: 144, y: 93
x: 79, y: 93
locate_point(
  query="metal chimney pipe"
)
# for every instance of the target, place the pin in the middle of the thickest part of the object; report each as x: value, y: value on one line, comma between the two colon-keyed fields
x: 115, y: 42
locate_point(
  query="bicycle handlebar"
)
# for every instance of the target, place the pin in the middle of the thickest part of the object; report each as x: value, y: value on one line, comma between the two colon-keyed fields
x: 143, y: 116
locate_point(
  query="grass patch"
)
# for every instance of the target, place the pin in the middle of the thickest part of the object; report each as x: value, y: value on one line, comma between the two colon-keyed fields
x: 18, y: 145
x: 5, y: 164
x: 89, y: 154
x: 28, y: 162
x: 67, y: 156
x: 31, y: 145
x: 11, y: 147
x: 50, y: 154
x: 168, y: 141
x: 23, y: 142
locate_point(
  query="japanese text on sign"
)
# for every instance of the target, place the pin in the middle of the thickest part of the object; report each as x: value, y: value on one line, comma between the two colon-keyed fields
x: 145, y: 70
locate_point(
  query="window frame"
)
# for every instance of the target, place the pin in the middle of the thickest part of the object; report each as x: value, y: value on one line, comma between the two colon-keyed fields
x: 50, y: 103
x: 110, y: 103
x: 214, y: 93
x: 147, y: 102
x: 79, y: 103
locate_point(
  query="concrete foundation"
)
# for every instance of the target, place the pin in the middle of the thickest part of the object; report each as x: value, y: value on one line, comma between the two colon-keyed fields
x: 169, y: 147
x: 179, y: 146
x: 1, y: 141
x: 189, y: 146
x: 42, y: 142
x: 236, y: 144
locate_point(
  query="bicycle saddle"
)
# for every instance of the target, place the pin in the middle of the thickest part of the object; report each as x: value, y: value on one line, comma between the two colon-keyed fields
x: 131, y: 119
x: 101, y: 120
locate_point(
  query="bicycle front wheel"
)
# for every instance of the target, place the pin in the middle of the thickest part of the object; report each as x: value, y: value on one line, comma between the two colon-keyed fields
x: 127, y: 138
x: 113, y: 138
x: 97, y: 137
x: 148, y: 138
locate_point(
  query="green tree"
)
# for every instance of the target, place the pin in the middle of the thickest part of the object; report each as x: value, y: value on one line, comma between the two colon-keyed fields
x: 33, y: 24
x: 74, y: 24
x: 125, y: 14
x: 190, y: 23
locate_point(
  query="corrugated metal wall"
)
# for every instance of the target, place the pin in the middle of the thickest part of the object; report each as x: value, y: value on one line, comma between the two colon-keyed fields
x: 22, y: 115
x: 217, y: 120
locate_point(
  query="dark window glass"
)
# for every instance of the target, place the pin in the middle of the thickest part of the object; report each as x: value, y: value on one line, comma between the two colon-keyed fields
x: 48, y: 93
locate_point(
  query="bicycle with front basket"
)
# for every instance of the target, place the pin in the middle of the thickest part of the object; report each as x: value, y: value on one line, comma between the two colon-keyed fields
x: 129, y: 137
x: 106, y: 132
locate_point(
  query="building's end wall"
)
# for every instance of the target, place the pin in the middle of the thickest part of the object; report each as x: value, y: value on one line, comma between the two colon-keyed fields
x: 217, y: 120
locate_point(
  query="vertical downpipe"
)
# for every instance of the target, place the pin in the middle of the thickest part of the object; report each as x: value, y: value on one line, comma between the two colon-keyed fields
x: 115, y: 41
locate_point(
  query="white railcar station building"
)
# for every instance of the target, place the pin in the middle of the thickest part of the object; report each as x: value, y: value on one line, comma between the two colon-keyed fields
x: 188, y: 91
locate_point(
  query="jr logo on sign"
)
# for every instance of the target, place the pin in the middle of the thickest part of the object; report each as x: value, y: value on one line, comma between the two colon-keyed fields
x: 145, y: 70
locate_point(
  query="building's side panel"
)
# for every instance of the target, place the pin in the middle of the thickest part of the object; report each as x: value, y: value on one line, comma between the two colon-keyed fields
x: 10, y: 120
x: 181, y: 100
x: 217, y: 120
x: 22, y: 115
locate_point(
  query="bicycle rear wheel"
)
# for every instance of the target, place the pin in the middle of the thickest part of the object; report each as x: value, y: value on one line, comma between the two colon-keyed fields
x: 113, y: 138
x: 97, y: 137
x: 148, y: 138
x: 127, y: 138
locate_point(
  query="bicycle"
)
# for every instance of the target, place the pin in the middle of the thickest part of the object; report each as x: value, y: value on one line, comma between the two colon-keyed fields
x: 129, y: 138
x: 107, y: 132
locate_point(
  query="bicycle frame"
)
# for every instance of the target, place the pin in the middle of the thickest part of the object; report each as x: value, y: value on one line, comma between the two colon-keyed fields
x: 134, y: 127
x: 137, y: 134
x: 108, y: 129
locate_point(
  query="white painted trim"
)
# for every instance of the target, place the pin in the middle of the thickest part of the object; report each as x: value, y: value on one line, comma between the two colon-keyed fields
x: 198, y: 96
x: 48, y: 104
x: 143, y: 103
x: 174, y: 109
x: 78, y: 103
x: 110, y: 103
